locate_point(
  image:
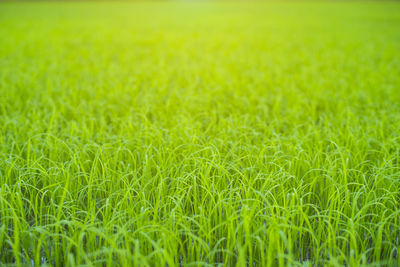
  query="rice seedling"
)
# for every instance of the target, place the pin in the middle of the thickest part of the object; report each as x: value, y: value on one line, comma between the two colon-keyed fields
x: 199, y: 133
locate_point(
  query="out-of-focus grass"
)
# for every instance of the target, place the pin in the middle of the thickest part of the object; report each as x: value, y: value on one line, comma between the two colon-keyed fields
x: 189, y: 133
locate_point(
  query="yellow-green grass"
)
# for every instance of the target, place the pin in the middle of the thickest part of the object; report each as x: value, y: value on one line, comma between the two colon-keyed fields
x: 200, y: 133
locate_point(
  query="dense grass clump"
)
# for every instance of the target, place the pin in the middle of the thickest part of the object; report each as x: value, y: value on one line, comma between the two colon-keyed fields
x: 193, y: 134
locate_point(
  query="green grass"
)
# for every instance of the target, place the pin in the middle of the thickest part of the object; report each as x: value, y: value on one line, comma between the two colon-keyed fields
x: 200, y: 133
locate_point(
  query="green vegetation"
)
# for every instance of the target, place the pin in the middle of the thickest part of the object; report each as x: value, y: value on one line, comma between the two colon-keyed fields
x: 193, y: 134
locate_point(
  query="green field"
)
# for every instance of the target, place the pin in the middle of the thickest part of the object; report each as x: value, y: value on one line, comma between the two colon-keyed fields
x: 200, y: 133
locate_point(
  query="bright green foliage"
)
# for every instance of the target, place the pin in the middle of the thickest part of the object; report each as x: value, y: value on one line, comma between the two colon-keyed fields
x: 191, y: 133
